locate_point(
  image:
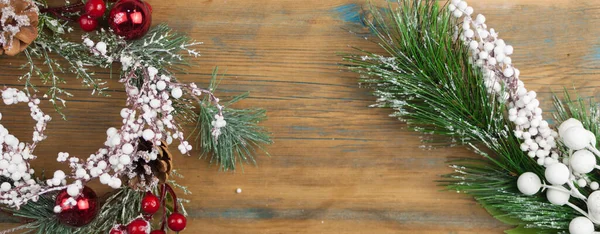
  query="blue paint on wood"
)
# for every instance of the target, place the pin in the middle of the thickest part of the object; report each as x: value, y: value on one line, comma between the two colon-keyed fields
x: 218, y: 42
x: 351, y: 13
x: 596, y: 54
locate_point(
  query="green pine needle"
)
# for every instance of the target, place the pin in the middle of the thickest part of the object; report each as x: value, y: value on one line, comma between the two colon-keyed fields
x: 239, y: 139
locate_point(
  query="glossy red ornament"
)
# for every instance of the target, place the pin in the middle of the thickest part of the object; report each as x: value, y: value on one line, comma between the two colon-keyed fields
x: 87, y: 23
x: 138, y: 226
x: 95, y: 8
x: 130, y: 18
x: 150, y: 204
x: 81, y: 213
x: 158, y: 232
x: 176, y: 222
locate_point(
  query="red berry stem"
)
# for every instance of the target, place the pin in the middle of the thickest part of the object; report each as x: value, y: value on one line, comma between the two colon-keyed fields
x: 172, y: 192
x: 163, y: 194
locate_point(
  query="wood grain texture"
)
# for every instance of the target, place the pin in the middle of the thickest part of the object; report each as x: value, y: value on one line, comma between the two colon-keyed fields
x: 336, y: 166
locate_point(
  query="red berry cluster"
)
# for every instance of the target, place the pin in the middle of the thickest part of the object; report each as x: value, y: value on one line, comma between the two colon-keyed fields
x: 93, y: 9
x: 150, y: 205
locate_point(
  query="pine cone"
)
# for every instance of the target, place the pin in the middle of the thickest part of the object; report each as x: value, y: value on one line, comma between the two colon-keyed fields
x: 154, y: 171
x: 18, y: 25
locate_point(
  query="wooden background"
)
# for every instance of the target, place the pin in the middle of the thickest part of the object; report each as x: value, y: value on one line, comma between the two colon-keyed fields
x: 336, y: 165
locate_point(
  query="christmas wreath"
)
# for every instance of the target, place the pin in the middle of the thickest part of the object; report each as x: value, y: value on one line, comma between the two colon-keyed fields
x: 448, y: 75
x: 135, y: 159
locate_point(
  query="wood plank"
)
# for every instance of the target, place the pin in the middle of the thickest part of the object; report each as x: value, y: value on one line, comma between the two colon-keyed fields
x: 337, y: 166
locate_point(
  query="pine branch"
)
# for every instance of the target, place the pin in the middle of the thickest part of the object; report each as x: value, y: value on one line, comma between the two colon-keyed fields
x: 496, y: 191
x: 239, y: 139
x: 428, y: 79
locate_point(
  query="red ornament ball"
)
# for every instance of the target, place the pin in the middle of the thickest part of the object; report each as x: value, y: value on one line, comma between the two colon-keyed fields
x: 150, y: 204
x: 130, y: 18
x: 158, y: 232
x: 87, y: 23
x: 176, y: 222
x: 80, y: 214
x: 138, y: 226
x: 95, y: 8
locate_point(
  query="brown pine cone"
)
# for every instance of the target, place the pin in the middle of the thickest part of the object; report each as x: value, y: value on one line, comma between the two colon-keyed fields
x: 18, y: 25
x: 152, y: 172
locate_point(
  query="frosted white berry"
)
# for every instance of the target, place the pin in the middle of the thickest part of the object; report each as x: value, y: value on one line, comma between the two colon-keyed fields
x: 451, y: 7
x: 575, y: 138
x: 105, y: 178
x: 57, y: 209
x: 155, y: 103
x: 5, y: 186
x: 59, y: 174
x: 508, y: 50
x: 469, y: 10
x: 583, y: 161
x: 581, y: 225
x: 161, y: 85
x: 480, y: 19
x: 72, y: 190
x: 127, y: 148
x: 581, y: 182
x: 124, y: 159
x: 529, y: 183
x: 101, y: 47
x: 148, y: 134
x: 469, y: 33
x: 557, y: 174
x: 115, y: 183
x: 111, y: 131
x: 508, y: 72
x: 568, y: 124
x: 593, y: 204
x: 176, y: 92
x: 557, y: 196
x: 457, y: 13
x: 594, y: 185
x: 473, y: 45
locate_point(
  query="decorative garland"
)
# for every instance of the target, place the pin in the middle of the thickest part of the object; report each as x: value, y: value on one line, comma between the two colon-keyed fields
x: 135, y: 160
x: 450, y: 76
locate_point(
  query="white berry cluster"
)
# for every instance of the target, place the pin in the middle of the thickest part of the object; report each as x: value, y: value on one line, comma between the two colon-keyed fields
x: 539, y: 140
x: 492, y: 55
x: 99, y: 49
x: 217, y: 124
x: 15, y: 155
x: 574, y: 169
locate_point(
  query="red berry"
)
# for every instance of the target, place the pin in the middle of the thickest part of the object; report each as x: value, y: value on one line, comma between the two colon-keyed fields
x: 158, y: 232
x: 150, y: 204
x: 95, y: 8
x: 176, y: 222
x: 116, y: 231
x: 138, y: 226
x: 87, y: 23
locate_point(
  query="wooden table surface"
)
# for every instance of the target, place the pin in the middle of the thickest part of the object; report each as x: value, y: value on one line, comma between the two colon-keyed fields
x: 337, y: 166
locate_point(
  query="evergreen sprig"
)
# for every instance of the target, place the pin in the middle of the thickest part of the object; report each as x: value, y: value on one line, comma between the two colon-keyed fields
x: 427, y: 78
x: 239, y: 139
